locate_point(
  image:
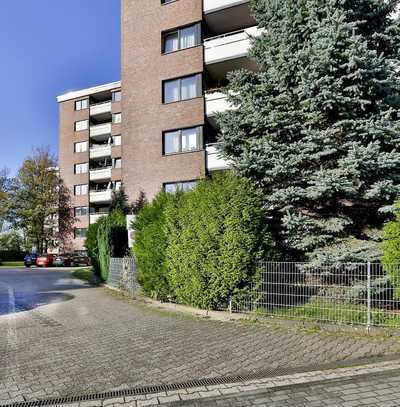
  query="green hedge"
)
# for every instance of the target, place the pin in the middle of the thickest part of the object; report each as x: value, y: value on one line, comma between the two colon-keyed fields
x: 391, y: 250
x: 201, y: 247
x: 11, y: 255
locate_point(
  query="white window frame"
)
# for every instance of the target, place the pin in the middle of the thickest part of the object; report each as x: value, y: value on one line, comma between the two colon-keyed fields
x: 81, y: 125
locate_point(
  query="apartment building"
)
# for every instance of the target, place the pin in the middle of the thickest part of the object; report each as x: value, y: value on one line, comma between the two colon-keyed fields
x: 157, y: 130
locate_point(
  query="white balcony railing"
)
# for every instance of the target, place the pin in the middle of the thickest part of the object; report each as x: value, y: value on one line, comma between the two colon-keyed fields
x: 100, y: 108
x: 100, y: 130
x: 100, y: 175
x: 216, y: 102
x: 104, y: 196
x: 95, y: 217
x: 100, y: 151
x: 230, y: 46
x: 215, y: 161
x: 210, y: 6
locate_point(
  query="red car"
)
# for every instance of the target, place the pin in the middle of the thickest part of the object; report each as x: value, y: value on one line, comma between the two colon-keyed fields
x: 46, y: 260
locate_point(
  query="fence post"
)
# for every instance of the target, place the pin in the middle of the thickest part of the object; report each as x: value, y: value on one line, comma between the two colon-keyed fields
x: 369, y: 296
x: 230, y: 305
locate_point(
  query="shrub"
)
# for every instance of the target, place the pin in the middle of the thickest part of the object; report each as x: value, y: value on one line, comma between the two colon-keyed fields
x: 391, y: 251
x: 216, y: 235
x: 106, y: 226
x: 11, y: 255
x: 92, y: 246
x: 150, y: 246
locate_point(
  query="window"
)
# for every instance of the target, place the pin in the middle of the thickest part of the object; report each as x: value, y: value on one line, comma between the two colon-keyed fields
x: 117, y: 185
x: 116, y: 96
x: 81, y: 147
x: 117, y: 140
x: 167, y: 1
x: 81, y: 190
x: 82, y: 104
x: 180, y: 141
x: 80, y: 233
x: 182, y: 38
x: 182, y: 89
x: 117, y: 163
x: 81, y: 168
x: 116, y: 118
x: 81, y: 125
x: 81, y: 211
x: 172, y: 187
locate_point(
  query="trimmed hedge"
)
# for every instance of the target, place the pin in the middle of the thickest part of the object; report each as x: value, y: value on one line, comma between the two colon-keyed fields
x: 201, y: 247
x: 391, y: 250
x: 11, y: 255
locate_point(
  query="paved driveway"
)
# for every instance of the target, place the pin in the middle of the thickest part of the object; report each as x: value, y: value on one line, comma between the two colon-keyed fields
x: 60, y: 337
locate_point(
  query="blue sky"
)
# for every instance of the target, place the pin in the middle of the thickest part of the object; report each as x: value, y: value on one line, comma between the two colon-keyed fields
x: 48, y: 47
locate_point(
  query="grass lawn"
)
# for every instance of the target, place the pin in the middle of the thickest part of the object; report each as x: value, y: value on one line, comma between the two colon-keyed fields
x: 11, y: 264
x: 85, y: 274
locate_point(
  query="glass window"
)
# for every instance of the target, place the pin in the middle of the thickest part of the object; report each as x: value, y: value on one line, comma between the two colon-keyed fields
x: 171, y: 91
x: 80, y: 233
x: 81, y: 147
x: 82, y: 104
x: 81, y: 190
x: 184, y: 140
x: 182, y: 89
x: 172, y: 187
x: 188, y: 37
x: 116, y: 96
x: 171, y: 42
x: 81, y: 211
x: 81, y: 125
x: 81, y: 168
x: 116, y: 118
x: 117, y: 140
x: 117, y: 185
x: 117, y: 162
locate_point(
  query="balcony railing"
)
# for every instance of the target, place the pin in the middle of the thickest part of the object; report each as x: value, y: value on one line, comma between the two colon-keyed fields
x: 215, y: 161
x: 210, y: 6
x: 230, y: 46
x: 100, y: 174
x: 103, y: 196
x: 100, y: 108
x: 100, y: 130
x: 100, y: 151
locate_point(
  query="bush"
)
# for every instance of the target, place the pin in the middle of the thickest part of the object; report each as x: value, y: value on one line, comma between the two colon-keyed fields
x: 11, y: 255
x: 105, y: 231
x: 150, y: 246
x: 92, y: 246
x: 391, y: 251
x: 216, y: 235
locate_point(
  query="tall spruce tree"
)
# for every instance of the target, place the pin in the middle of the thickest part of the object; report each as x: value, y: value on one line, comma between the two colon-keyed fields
x: 317, y: 127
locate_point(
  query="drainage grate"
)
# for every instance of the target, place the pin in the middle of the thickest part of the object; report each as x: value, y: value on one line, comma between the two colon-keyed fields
x: 144, y: 390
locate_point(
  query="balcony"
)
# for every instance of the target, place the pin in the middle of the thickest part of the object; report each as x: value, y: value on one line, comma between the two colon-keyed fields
x: 227, y: 15
x: 103, y: 174
x: 228, y: 52
x: 95, y: 217
x: 215, y: 162
x: 216, y: 102
x: 101, y: 197
x: 100, y: 108
x: 100, y: 151
x: 100, y: 130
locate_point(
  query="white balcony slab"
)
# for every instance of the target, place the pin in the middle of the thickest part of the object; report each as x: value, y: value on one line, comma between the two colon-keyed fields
x: 216, y: 102
x: 230, y: 46
x: 215, y: 162
x: 96, y: 217
x: 101, y: 196
x: 100, y: 108
x: 100, y: 175
x: 211, y: 6
x: 100, y: 130
x: 100, y: 152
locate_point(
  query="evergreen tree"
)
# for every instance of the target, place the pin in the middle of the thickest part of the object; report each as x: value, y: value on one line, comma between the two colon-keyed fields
x: 317, y: 128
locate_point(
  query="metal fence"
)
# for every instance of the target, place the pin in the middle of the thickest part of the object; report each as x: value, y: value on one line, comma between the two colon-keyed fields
x: 349, y: 293
x: 122, y: 275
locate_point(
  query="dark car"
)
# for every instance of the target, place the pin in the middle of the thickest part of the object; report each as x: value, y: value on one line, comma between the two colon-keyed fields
x: 30, y: 260
x: 63, y: 260
x: 80, y: 259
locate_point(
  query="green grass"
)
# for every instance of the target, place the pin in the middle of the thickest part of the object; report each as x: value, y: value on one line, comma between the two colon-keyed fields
x: 85, y: 274
x: 11, y: 264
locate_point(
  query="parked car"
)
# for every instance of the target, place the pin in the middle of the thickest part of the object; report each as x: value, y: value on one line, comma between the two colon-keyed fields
x: 30, y: 260
x: 46, y: 260
x: 80, y: 259
x: 63, y: 260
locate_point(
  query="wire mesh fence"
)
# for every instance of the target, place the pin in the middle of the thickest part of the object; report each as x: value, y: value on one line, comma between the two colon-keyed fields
x: 122, y: 275
x: 348, y: 293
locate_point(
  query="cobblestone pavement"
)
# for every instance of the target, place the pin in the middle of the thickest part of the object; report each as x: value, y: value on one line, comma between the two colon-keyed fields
x: 76, y: 339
